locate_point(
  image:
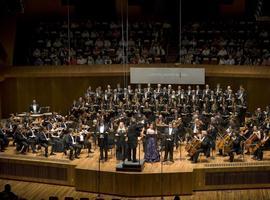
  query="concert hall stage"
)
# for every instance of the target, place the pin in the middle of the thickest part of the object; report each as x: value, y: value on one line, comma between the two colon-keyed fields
x: 181, y: 177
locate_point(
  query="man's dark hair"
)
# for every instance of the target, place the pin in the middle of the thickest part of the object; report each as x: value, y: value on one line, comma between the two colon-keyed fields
x: 7, y: 188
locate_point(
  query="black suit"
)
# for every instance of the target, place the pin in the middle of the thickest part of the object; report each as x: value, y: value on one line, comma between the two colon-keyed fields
x: 103, y: 142
x: 34, y: 108
x: 72, y: 146
x: 44, y: 141
x: 170, y: 134
x: 21, y: 140
x: 3, y: 140
x: 205, y: 148
x: 132, y: 134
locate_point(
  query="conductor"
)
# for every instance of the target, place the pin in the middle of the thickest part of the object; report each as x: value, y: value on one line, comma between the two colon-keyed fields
x: 132, y: 140
x: 34, y: 107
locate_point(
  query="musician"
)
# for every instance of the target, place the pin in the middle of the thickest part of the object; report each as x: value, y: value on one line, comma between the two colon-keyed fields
x: 3, y: 139
x: 262, y: 145
x: 151, y: 150
x: 170, y: 133
x: 55, y: 141
x: 197, y: 126
x: 72, y: 145
x: 34, y: 107
x: 121, y: 141
x: 21, y: 139
x: 205, y: 146
x: 102, y: 134
x: 237, y: 146
x: 32, y: 139
x: 83, y: 139
x: 212, y: 132
x: 132, y: 134
x: 43, y: 139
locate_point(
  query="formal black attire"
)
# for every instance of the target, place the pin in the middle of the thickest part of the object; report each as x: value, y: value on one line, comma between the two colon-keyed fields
x: 133, y: 133
x: 34, y: 108
x: 169, y: 142
x: 43, y: 141
x: 72, y: 145
x: 3, y: 140
x: 103, y: 143
x: 236, y: 147
x: 204, y: 148
x: 121, y: 144
x: 21, y: 141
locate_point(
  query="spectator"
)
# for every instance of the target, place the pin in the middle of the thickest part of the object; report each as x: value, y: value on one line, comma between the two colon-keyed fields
x: 7, y: 194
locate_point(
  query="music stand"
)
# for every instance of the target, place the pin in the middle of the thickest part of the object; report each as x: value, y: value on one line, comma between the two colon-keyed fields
x: 180, y: 150
x: 98, y: 181
x: 161, y: 175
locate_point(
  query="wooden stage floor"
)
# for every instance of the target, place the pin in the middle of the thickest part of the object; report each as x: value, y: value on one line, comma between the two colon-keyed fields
x: 181, y: 177
x: 181, y: 162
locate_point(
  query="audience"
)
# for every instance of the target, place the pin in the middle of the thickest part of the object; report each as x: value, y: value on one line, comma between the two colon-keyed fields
x: 7, y: 194
x: 92, y: 42
x: 225, y: 43
x: 98, y: 43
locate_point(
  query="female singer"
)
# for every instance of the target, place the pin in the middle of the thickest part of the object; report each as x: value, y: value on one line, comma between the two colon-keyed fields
x: 151, y: 153
x: 121, y: 144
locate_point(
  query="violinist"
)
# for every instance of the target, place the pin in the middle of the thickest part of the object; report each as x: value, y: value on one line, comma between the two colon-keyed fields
x: 21, y: 139
x: 32, y: 138
x: 72, y: 145
x: 83, y: 140
x: 43, y: 138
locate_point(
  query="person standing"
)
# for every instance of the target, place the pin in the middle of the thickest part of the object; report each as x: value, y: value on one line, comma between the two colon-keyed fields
x: 102, y: 132
x: 132, y: 141
x: 170, y: 133
x: 121, y: 144
x: 151, y: 153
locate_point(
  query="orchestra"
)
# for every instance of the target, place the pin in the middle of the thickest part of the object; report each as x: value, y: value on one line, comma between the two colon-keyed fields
x: 203, y: 119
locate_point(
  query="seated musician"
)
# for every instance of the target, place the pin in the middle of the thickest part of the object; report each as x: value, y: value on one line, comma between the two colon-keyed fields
x: 262, y: 145
x: 236, y: 146
x: 72, y: 145
x: 3, y: 139
x: 83, y: 139
x: 32, y: 138
x: 55, y: 138
x: 204, y: 147
x: 34, y: 107
x: 21, y: 139
x: 43, y: 140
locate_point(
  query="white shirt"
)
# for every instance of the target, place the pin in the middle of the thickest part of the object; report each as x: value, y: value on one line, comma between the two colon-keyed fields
x: 101, y: 129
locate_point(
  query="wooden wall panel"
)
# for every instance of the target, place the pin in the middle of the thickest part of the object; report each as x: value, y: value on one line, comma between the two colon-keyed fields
x: 37, y: 171
x: 133, y: 184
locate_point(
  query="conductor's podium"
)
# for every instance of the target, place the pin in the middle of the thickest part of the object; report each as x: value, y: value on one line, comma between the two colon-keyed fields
x: 130, y: 166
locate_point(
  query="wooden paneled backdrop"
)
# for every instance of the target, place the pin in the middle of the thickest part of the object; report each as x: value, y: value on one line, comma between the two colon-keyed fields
x: 58, y: 86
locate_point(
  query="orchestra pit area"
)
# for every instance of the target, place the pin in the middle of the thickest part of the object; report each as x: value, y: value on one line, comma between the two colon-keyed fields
x: 130, y: 99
